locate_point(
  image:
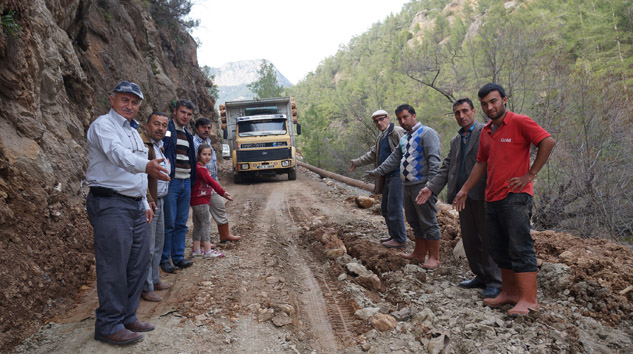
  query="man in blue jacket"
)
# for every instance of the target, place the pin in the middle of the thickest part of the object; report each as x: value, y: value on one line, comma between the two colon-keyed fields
x: 179, y: 149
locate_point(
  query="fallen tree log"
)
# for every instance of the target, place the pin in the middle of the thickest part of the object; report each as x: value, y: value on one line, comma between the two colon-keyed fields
x: 327, y: 174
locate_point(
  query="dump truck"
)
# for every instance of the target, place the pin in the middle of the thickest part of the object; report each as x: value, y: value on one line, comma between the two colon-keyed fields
x: 261, y: 136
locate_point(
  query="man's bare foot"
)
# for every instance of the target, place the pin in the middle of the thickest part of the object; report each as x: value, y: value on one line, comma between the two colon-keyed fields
x: 411, y: 255
x: 431, y: 263
x: 419, y: 252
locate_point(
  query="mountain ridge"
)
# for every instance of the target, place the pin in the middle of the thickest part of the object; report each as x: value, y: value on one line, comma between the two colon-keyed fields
x: 233, y: 78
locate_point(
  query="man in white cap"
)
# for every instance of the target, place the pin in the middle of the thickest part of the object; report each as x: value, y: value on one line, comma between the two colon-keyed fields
x: 119, y: 213
x: 390, y: 184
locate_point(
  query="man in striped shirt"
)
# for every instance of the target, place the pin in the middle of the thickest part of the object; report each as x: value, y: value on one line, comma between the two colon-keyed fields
x: 180, y: 152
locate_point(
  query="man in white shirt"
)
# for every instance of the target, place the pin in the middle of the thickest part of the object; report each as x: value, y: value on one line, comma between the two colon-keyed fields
x: 119, y: 213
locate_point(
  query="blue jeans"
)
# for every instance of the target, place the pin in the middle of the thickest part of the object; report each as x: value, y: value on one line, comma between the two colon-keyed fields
x: 508, y: 228
x: 391, y: 208
x: 176, y: 214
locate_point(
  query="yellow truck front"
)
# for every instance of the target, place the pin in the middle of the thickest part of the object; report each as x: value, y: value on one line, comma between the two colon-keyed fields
x: 260, y: 134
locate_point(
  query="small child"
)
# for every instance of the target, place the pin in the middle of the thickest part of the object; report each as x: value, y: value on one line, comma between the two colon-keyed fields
x: 200, y: 198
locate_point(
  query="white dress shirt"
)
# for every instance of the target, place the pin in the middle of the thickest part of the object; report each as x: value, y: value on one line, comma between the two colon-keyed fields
x: 118, y: 157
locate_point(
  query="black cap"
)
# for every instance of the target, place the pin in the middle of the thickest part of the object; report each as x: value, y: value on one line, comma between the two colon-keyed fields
x: 129, y: 87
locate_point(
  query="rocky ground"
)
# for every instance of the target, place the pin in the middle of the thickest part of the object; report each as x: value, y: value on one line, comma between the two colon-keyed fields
x: 310, y: 276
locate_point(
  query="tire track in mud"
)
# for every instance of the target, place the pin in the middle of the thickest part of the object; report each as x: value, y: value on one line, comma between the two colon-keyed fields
x: 339, y: 312
x: 308, y: 299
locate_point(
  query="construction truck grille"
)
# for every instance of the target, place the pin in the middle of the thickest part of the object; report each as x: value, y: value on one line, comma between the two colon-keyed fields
x: 263, y: 145
x: 263, y: 155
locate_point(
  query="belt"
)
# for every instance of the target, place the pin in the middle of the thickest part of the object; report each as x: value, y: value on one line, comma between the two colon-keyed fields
x: 107, y: 192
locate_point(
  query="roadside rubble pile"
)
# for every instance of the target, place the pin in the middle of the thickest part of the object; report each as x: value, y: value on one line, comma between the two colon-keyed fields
x: 410, y: 308
x: 585, y: 291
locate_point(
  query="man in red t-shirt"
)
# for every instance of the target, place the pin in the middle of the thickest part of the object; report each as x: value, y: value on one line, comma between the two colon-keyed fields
x: 504, y: 153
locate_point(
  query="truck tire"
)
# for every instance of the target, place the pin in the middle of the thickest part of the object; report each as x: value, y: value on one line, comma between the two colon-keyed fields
x: 237, y: 178
x: 292, y: 174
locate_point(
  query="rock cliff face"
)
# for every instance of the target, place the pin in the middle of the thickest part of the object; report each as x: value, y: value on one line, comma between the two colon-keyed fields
x: 56, y: 71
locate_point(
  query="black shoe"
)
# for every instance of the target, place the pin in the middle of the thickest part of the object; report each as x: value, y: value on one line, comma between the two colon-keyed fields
x: 168, y: 268
x: 184, y: 263
x: 490, y: 292
x: 472, y: 283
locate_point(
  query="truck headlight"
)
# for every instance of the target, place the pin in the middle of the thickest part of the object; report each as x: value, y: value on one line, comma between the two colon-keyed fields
x: 285, y: 163
x: 244, y: 166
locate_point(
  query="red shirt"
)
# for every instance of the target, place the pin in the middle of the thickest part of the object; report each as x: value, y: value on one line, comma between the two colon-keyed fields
x: 507, y: 152
x: 204, y: 186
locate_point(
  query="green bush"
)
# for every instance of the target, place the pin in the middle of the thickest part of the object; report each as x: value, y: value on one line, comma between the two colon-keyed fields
x: 170, y: 12
x: 9, y: 25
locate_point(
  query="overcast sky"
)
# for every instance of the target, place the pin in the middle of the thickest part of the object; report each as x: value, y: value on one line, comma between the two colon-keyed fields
x: 295, y: 35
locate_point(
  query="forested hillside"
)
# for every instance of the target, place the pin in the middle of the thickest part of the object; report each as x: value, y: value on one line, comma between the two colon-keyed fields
x: 568, y: 65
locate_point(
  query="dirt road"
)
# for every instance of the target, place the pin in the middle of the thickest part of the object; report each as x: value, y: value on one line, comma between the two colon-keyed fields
x: 268, y: 294
x: 279, y: 290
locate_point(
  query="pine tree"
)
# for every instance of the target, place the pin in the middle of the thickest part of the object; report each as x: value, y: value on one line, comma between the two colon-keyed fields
x: 266, y: 86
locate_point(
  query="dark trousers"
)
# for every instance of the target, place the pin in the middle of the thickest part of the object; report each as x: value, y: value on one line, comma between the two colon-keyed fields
x: 122, y: 257
x: 391, y: 208
x: 508, y: 226
x: 473, y: 225
x: 421, y: 218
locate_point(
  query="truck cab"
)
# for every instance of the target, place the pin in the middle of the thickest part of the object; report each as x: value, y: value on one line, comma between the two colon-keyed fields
x: 261, y: 137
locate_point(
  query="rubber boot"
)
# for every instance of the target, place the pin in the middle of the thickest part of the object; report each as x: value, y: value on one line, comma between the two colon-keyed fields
x: 526, y: 283
x: 434, y: 254
x: 509, y: 292
x: 225, y: 235
x: 419, y: 251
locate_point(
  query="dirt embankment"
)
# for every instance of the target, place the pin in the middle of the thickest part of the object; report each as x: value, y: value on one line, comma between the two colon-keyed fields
x: 56, y: 71
x: 310, y: 276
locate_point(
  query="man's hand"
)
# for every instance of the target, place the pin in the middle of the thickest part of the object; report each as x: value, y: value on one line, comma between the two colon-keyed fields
x: 157, y: 171
x: 352, y: 167
x: 370, y: 173
x: 152, y: 206
x: 515, y: 184
x: 459, y: 203
x: 227, y: 196
x: 423, y: 196
x: 149, y: 215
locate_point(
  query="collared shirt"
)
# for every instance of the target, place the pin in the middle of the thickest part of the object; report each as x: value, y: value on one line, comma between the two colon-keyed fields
x: 212, y: 166
x: 117, y: 155
x: 415, y: 127
x: 163, y: 186
x: 507, y: 153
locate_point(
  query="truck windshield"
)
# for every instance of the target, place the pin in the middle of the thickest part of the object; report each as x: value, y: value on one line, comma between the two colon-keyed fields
x: 262, y: 127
